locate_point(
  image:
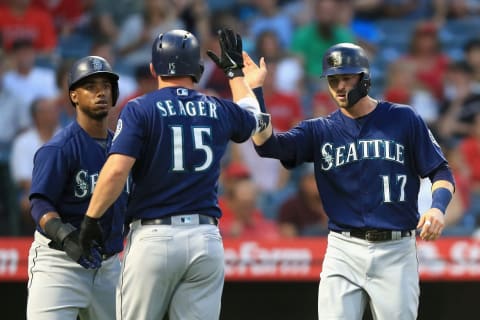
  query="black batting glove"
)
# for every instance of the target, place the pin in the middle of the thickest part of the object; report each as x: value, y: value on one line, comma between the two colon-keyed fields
x: 231, y: 59
x: 65, y: 237
x: 91, y: 234
x: 91, y: 260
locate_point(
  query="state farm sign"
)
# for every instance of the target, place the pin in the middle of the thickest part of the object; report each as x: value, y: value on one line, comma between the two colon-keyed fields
x: 273, y: 260
x: 252, y: 257
x: 455, y: 259
x: 449, y: 259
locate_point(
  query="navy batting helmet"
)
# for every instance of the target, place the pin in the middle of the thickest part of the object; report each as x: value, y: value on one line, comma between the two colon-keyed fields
x: 345, y: 58
x: 348, y: 58
x: 177, y: 53
x: 89, y: 66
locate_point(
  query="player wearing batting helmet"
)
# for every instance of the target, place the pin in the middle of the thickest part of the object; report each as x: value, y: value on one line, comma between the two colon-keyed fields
x: 369, y: 156
x: 66, y: 282
x: 173, y: 140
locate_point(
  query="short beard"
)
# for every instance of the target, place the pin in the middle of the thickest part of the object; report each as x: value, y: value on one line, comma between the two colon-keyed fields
x: 95, y: 115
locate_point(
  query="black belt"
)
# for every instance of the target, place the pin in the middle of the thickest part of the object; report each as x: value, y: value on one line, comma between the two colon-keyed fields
x: 377, y: 235
x: 202, y: 219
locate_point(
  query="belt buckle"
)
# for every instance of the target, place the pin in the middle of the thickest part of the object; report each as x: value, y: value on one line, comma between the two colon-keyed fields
x: 375, y: 236
x: 370, y: 236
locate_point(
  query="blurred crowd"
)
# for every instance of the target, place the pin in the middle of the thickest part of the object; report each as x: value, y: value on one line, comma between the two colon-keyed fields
x: 425, y: 53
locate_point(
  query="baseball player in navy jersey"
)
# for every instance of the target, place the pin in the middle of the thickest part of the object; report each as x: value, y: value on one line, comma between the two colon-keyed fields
x: 172, y: 140
x: 369, y: 156
x: 66, y: 282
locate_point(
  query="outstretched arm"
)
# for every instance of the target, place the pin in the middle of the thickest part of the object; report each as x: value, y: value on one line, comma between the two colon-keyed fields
x: 111, y: 182
x: 255, y: 77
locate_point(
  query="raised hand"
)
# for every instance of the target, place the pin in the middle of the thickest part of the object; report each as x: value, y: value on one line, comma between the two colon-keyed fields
x: 231, y: 58
x: 254, y: 74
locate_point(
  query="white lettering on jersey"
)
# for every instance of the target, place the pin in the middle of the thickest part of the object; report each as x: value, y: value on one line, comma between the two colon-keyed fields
x: 190, y: 108
x: 336, y: 156
x: 85, y: 184
x: 118, y: 129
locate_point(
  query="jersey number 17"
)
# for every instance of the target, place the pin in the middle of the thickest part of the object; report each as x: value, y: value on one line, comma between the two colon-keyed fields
x: 400, y: 182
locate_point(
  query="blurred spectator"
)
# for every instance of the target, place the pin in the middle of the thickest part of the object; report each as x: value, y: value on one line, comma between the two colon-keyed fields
x: 400, y: 82
x: 403, y: 87
x: 412, y: 9
x: 21, y: 20
x: 458, y: 221
x: 270, y: 16
x: 426, y: 56
x: 368, y: 10
x: 231, y: 173
x: 126, y: 83
x: 322, y: 104
x: 67, y: 14
x: 145, y: 83
x: 195, y: 16
x: 11, y: 123
x: 471, y: 52
x: 461, y: 9
x: 460, y: 105
x: 289, y: 72
x: 241, y: 218
x: 66, y: 109
x: 303, y: 214
x: 44, y: 113
x: 224, y: 5
x: 366, y: 32
x: 270, y: 177
x: 300, y: 12
x: 312, y: 40
x: 26, y: 80
x: 469, y: 149
x: 137, y: 32
x: 109, y: 15
x: 213, y: 78
x: 284, y: 108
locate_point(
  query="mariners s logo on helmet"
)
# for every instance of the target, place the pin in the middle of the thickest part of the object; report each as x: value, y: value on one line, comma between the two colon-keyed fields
x: 335, y: 59
x: 97, y: 65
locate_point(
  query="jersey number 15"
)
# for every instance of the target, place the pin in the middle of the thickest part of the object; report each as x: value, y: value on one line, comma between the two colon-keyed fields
x: 198, y: 134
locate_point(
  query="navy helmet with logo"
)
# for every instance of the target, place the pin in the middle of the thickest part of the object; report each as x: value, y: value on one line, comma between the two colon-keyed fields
x: 177, y: 53
x: 89, y: 66
x: 348, y: 58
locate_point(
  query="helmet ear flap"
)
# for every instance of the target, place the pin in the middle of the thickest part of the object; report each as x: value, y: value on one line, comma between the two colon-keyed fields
x: 360, y: 90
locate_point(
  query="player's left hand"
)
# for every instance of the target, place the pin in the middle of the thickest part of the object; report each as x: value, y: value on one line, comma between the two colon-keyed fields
x: 432, y: 223
x: 254, y: 74
x: 231, y: 59
x: 91, y: 235
x: 72, y: 248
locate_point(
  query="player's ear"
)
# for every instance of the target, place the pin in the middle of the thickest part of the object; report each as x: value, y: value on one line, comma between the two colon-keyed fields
x: 152, y: 71
x: 73, y: 97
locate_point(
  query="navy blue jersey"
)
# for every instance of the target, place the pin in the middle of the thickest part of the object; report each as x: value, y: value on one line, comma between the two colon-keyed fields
x: 178, y: 137
x: 65, y: 172
x: 367, y: 170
